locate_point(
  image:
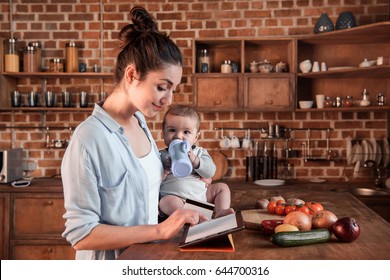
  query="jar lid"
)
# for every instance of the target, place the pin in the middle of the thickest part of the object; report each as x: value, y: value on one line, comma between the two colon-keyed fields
x: 35, y: 44
x: 70, y: 44
x: 30, y: 48
x: 12, y: 40
x: 56, y: 60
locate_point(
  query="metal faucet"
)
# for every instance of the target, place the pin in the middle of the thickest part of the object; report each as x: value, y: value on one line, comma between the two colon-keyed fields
x: 378, y: 180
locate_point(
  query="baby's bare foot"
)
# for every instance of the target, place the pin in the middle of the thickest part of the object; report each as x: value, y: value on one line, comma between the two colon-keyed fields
x: 223, y: 212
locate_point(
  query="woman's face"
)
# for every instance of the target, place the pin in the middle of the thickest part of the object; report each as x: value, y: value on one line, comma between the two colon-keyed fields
x: 156, y: 91
x: 180, y: 127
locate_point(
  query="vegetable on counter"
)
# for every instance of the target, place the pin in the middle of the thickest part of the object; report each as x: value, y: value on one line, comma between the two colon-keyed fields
x: 300, y: 238
x: 268, y: 226
x: 346, y: 229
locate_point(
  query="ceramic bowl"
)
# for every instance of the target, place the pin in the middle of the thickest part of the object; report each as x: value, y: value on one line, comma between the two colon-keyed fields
x: 305, y: 104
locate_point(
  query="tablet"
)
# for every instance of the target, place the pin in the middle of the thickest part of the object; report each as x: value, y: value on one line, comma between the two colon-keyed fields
x: 193, y: 235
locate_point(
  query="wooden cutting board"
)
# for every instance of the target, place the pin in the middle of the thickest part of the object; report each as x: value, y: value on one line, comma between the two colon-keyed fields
x: 253, y: 218
x: 221, y: 164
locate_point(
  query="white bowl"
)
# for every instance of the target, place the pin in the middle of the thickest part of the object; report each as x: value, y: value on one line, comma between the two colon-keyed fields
x: 305, y: 104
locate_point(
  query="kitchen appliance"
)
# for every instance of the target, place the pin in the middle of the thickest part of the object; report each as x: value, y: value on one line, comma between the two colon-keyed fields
x: 11, y: 165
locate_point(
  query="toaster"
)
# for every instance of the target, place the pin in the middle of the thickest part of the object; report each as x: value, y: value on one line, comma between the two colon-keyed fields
x: 11, y: 165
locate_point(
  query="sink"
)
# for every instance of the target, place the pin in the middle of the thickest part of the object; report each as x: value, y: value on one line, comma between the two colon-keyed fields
x: 368, y: 192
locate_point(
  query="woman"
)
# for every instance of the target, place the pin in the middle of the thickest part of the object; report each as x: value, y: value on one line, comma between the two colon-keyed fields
x: 111, y: 170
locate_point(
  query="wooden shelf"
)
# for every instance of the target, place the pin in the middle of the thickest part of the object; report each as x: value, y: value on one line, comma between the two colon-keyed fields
x: 56, y: 75
x: 382, y: 71
x: 347, y: 109
x: 46, y: 109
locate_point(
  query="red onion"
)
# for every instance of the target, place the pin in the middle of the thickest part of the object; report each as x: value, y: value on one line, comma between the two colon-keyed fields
x: 346, y: 229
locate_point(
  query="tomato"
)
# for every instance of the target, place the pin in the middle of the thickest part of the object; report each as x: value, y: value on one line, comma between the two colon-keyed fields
x: 314, y: 207
x: 290, y: 208
x: 304, y: 209
x: 271, y: 207
x: 279, y: 209
x: 280, y: 201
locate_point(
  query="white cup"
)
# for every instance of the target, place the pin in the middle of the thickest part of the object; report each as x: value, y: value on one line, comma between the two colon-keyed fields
x: 316, y: 67
x: 320, y: 100
x: 323, y: 67
x: 234, y: 142
x: 225, y: 142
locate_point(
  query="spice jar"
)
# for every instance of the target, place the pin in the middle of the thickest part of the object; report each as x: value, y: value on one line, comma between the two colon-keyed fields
x: 72, y: 57
x: 11, y: 56
x: 380, y: 99
x: 328, y: 103
x: 347, y: 101
x: 38, y: 48
x: 56, y: 65
x: 204, y: 62
x: 366, y: 98
x: 30, y: 59
x: 226, y: 66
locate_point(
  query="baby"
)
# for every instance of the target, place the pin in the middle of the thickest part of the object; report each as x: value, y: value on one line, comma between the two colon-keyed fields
x: 183, y: 122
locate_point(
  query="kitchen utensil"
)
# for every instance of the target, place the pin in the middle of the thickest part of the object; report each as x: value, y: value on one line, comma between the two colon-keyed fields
x: 345, y: 20
x: 306, y: 104
x: 320, y: 98
x: 33, y: 99
x: 16, y: 98
x: 348, y: 149
x: 270, y: 182
x: 323, y: 24
x: 50, y: 98
x: 246, y: 141
x: 83, y: 99
x: 221, y: 164
x: 224, y: 143
x: 316, y: 67
x: 234, y: 142
x: 66, y: 99
x: 385, y: 153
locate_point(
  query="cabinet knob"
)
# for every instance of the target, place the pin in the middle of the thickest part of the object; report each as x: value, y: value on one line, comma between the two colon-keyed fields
x: 269, y: 102
x: 50, y: 249
x: 218, y: 102
x: 50, y: 202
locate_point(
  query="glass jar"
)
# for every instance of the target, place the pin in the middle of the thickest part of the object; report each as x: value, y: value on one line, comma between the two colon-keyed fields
x: 30, y: 59
x: 328, y: 103
x: 347, y: 101
x: 204, y: 62
x: 72, y: 57
x: 56, y: 65
x: 226, y: 66
x: 366, y: 98
x: 380, y: 99
x: 11, y: 57
x: 38, y: 48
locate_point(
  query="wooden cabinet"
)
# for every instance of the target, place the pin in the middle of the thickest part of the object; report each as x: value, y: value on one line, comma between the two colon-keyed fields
x: 343, y: 51
x: 33, y: 222
x: 4, y: 225
x: 243, y: 90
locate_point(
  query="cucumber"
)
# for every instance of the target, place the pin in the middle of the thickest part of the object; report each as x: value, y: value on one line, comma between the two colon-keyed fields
x: 300, y: 238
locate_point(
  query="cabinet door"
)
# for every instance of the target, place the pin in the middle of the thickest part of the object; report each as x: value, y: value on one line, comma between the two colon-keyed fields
x: 42, y: 250
x: 218, y: 92
x: 272, y: 93
x: 4, y: 225
x: 38, y: 216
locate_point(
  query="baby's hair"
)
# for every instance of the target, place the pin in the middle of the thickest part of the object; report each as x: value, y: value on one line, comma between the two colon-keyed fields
x: 144, y: 46
x: 183, y: 111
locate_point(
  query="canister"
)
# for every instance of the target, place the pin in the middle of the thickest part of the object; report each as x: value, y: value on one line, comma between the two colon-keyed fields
x: 72, y: 57
x: 38, y: 56
x: 30, y: 59
x: 11, y: 56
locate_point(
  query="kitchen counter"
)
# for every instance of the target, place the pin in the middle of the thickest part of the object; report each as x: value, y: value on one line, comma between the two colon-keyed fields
x: 373, y: 242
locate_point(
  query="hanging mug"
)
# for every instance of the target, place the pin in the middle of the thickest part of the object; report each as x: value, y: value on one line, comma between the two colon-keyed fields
x: 234, y: 142
x: 225, y: 141
x: 246, y: 142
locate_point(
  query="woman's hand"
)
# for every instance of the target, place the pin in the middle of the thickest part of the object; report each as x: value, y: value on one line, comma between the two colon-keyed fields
x: 173, y: 224
x: 208, y: 181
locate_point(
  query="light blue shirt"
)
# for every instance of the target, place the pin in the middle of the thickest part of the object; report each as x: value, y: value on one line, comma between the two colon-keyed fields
x: 103, y: 180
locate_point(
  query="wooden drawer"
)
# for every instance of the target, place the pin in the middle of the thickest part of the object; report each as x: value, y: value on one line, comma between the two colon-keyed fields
x: 41, y: 250
x: 4, y: 225
x: 37, y: 216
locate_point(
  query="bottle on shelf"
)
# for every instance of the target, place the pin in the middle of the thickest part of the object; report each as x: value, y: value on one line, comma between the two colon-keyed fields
x: 38, y: 56
x: 11, y: 57
x: 30, y: 59
x: 204, y: 62
x: 72, y: 57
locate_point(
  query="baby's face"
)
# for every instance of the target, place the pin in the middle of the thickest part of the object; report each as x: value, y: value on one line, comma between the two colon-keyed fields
x: 179, y: 127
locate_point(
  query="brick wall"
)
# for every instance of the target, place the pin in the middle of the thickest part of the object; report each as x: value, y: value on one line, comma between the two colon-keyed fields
x: 94, y: 25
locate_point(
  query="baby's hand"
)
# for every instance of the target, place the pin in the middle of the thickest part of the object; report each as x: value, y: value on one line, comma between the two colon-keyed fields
x: 207, y: 181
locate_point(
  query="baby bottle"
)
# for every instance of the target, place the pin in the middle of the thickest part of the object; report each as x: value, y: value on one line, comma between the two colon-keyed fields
x: 181, y: 164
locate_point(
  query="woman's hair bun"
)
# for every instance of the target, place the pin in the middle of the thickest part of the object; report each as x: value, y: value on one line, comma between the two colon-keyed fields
x: 142, y: 20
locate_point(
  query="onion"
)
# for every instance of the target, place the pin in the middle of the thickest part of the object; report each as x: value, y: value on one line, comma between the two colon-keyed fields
x: 261, y: 203
x: 276, y: 198
x: 298, y: 219
x: 346, y: 229
x: 295, y: 201
x: 324, y: 219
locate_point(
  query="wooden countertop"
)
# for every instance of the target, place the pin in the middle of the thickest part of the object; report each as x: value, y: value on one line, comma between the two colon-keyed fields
x: 373, y: 243
x: 38, y: 185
